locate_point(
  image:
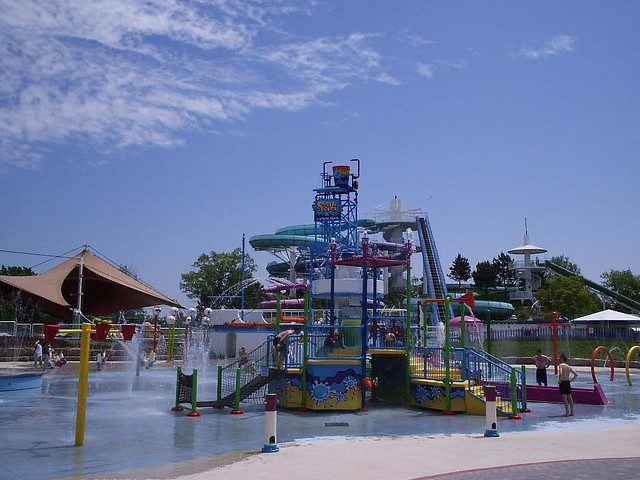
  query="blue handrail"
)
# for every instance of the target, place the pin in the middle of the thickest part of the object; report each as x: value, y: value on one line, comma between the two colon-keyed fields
x: 471, y: 365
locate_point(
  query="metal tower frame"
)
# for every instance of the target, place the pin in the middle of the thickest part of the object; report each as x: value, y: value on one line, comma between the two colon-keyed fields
x: 336, y: 210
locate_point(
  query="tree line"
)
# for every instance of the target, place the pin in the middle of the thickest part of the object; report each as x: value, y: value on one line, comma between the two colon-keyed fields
x: 215, y: 280
x: 567, y: 295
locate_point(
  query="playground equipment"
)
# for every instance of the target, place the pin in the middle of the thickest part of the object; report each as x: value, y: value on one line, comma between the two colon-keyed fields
x: 594, y: 355
x: 186, y: 392
x: 587, y: 396
x: 244, y: 380
x: 358, y: 350
x: 87, y: 332
x: 627, y: 361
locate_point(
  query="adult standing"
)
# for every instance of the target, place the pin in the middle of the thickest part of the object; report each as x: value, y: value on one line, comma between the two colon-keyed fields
x: 45, y: 356
x: 280, y: 343
x: 541, y: 362
x: 37, y: 355
x: 564, y: 384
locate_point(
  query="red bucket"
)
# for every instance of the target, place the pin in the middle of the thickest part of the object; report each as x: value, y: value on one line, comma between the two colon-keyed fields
x: 128, y: 330
x: 102, y: 329
x: 50, y: 331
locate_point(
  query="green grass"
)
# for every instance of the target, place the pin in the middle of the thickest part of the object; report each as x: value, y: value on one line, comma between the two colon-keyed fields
x: 580, y: 348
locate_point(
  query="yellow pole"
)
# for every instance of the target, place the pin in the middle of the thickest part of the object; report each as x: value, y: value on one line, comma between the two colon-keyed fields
x: 83, y: 381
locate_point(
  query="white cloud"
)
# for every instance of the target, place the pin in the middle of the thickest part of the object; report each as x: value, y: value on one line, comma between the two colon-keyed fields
x: 557, y: 45
x: 426, y: 70
x: 143, y: 73
x: 414, y: 40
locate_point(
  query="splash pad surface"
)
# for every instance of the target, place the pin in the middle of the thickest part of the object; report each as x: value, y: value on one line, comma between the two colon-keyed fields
x: 130, y: 427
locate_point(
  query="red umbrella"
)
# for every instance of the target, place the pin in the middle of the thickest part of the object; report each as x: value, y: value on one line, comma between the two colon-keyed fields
x: 455, y: 321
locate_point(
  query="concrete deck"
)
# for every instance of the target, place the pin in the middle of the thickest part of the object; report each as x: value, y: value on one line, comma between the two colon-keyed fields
x: 130, y: 433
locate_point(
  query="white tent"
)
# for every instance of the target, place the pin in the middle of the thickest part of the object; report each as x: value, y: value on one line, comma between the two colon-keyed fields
x: 608, y: 316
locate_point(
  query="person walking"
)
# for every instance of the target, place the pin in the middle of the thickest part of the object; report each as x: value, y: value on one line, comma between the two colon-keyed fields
x: 541, y: 362
x: 45, y: 356
x: 564, y: 384
x: 37, y: 355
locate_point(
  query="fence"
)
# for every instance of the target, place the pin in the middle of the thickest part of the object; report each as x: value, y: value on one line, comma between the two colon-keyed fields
x: 252, y: 365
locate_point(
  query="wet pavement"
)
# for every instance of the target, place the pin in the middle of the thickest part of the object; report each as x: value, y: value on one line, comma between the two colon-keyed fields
x: 604, y: 468
x: 129, y: 425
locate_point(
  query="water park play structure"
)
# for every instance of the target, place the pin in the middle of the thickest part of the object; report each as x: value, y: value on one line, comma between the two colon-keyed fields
x: 350, y: 356
x: 356, y: 351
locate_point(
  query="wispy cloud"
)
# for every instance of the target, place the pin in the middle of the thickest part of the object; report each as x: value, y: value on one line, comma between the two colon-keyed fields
x: 557, y: 45
x: 413, y: 39
x: 428, y: 69
x: 127, y: 73
x: 425, y: 70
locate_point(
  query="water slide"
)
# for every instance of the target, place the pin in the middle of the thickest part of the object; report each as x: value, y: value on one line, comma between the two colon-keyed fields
x: 301, y: 236
x: 621, y: 299
x: 294, y: 236
x: 501, y: 309
x: 433, y: 276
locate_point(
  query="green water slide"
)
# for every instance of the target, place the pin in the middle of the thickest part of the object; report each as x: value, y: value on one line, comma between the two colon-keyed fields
x: 621, y: 299
x: 295, y: 236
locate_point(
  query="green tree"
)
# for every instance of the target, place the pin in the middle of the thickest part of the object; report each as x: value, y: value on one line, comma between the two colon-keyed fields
x: 216, y: 278
x: 16, y: 271
x: 624, y: 282
x: 485, y: 275
x: 460, y: 270
x: 15, y: 306
x: 565, y: 262
x: 568, y: 296
x: 502, y: 265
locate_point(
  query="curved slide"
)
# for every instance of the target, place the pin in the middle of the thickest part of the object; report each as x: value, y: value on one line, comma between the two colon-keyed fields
x: 295, y: 236
x: 303, y: 236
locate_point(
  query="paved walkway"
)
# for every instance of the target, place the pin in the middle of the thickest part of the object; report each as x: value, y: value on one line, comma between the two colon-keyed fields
x: 611, y: 453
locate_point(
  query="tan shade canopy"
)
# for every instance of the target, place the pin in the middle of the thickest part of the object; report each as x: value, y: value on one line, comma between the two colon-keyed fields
x: 105, y: 289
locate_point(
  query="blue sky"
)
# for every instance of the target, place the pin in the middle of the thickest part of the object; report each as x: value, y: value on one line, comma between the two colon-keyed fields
x: 157, y: 131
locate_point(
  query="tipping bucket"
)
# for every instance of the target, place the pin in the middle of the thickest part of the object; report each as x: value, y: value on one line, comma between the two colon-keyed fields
x: 50, y: 331
x: 102, y: 329
x: 341, y: 175
x: 128, y: 330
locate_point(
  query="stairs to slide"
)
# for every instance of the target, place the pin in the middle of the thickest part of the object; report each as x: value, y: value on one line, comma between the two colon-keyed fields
x: 474, y: 369
x: 434, y: 281
x: 252, y: 373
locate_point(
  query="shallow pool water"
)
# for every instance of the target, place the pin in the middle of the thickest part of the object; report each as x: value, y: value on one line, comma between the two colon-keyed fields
x: 129, y: 423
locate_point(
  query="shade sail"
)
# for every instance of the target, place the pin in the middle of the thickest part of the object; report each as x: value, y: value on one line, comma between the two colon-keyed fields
x: 105, y: 289
x: 608, y: 316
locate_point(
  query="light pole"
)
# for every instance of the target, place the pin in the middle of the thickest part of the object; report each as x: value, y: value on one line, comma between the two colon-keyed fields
x: 191, y: 317
x: 171, y: 320
x: 156, y: 314
x: 206, y: 321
